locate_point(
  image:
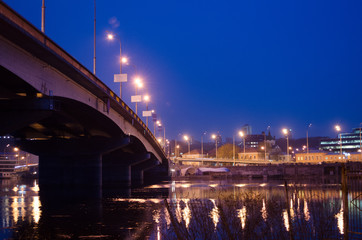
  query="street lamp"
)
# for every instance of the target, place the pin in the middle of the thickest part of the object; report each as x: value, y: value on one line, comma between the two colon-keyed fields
x: 213, y: 136
x: 43, y: 16
x: 265, y: 142
x: 124, y: 60
x: 307, y: 140
x: 286, y: 133
x: 178, y: 150
x: 188, y: 142
x: 242, y: 135
x: 234, y: 149
x: 338, y: 129
x: 146, y: 98
x: 154, y: 126
x: 111, y: 36
x: 164, y: 135
x: 360, y: 139
x: 139, y: 84
x: 17, y: 155
x: 8, y: 145
x: 168, y: 147
x: 202, y: 144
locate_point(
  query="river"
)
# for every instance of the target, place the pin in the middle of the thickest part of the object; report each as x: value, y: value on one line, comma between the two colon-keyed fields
x: 186, y: 209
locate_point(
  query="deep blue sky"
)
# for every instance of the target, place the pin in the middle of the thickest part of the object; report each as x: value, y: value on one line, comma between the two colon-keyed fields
x: 217, y: 65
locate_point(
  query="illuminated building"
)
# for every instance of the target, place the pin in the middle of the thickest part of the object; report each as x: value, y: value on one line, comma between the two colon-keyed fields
x: 350, y: 142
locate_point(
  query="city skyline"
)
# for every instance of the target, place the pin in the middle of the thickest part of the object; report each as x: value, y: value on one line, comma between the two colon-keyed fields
x: 215, y: 67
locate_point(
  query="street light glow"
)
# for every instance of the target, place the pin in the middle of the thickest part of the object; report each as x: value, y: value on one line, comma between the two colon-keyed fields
x: 213, y: 136
x: 110, y: 36
x: 285, y: 131
x: 186, y: 137
x: 338, y: 128
x: 16, y: 149
x: 146, y: 98
x: 138, y: 82
x: 241, y: 133
x: 124, y: 60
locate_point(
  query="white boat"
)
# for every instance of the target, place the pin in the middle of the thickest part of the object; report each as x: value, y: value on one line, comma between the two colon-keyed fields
x: 7, y: 166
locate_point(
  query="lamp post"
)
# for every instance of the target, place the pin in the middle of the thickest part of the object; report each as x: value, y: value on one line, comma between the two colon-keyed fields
x: 188, y: 142
x: 168, y: 147
x: 215, y: 137
x: 307, y: 140
x: 164, y: 135
x: 338, y: 129
x: 286, y: 133
x: 154, y: 127
x: 17, y: 155
x: 265, y: 140
x: 111, y: 36
x: 202, y: 144
x: 8, y: 145
x: 146, y: 98
x: 234, y: 149
x: 360, y: 139
x: 177, y: 150
x: 43, y: 16
x: 139, y: 84
x: 242, y: 135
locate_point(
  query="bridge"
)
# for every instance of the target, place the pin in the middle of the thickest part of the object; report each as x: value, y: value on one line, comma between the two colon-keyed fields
x: 83, y: 133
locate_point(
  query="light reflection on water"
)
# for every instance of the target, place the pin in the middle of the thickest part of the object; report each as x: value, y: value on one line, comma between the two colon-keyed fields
x: 248, y: 206
x: 21, y: 203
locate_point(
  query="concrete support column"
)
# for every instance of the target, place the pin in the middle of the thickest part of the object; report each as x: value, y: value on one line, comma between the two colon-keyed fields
x: 123, y: 169
x: 116, y: 172
x: 76, y: 170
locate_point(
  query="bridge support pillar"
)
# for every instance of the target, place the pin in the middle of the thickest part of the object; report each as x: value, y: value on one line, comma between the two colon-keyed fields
x: 118, y: 169
x: 76, y: 170
x: 139, y: 169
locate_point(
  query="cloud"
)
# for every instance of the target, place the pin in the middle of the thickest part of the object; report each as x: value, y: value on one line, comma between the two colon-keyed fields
x: 114, y: 22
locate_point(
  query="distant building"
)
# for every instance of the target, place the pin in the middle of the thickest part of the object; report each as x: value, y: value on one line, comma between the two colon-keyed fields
x: 281, y: 157
x: 311, y: 157
x: 351, y: 142
x: 252, y: 155
x: 256, y: 141
x: 247, y: 129
x: 193, y: 154
x: 319, y: 156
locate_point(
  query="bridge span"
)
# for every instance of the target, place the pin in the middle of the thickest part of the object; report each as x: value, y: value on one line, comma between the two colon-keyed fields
x: 57, y: 109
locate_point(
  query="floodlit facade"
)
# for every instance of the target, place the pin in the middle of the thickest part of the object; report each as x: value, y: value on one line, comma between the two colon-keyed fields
x: 311, y: 157
x: 351, y: 142
x: 252, y: 155
x: 319, y: 157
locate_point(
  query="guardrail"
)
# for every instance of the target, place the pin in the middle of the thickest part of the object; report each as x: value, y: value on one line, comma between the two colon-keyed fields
x: 35, y: 33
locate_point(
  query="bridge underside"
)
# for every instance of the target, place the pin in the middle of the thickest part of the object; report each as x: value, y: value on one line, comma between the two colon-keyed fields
x: 76, y: 144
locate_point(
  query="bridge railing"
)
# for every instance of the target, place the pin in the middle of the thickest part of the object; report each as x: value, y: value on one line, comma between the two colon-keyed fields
x: 35, y: 33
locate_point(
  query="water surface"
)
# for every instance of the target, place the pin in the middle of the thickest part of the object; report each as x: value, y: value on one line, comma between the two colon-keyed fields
x: 190, y: 209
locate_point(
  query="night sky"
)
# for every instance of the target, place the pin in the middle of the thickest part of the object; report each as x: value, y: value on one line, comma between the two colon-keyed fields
x: 217, y: 65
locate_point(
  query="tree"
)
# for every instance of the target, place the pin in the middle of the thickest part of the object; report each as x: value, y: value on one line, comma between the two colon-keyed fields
x: 226, y: 151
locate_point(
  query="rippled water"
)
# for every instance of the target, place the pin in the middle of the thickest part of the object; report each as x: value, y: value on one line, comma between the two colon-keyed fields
x: 192, y: 209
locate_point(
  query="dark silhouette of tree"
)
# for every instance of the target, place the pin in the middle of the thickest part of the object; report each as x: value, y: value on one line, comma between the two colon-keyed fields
x: 226, y: 151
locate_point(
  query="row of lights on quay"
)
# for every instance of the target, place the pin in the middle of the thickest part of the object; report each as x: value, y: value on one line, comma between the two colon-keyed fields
x: 285, y: 132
